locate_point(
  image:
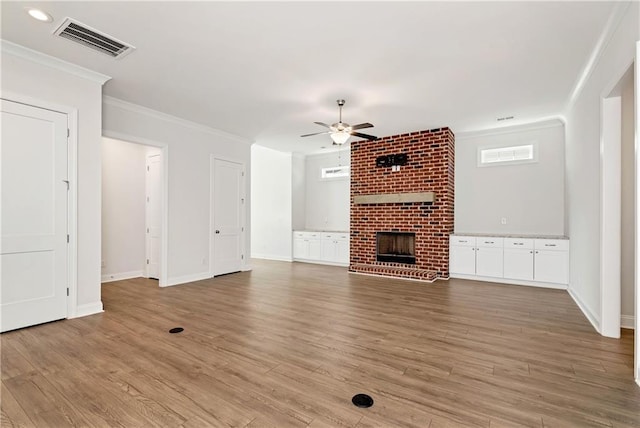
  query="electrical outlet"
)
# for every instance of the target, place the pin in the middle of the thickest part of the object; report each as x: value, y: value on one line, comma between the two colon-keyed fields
x: 503, y: 220
x: 204, y: 261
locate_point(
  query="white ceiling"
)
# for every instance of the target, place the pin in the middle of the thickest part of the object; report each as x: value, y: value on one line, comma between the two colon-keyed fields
x: 267, y: 70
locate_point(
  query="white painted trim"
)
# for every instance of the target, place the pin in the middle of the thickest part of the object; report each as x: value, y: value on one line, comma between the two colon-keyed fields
x: 89, y: 309
x: 510, y: 281
x: 246, y: 268
x: 588, y: 313
x: 187, y: 278
x: 551, y: 122
x: 146, y: 111
x: 628, y: 321
x: 618, y: 12
x: 53, y: 62
x: 164, y: 244
x: 271, y: 257
x: 72, y: 176
x: 122, y: 275
x: 610, y: 215
x: 323, y: 262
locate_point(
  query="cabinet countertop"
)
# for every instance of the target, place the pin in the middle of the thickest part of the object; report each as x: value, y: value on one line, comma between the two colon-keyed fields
x: 322, y: 231
x: 498, y: 235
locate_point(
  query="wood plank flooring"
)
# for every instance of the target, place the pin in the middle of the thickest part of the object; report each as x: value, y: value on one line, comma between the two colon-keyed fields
x: 289, y: 344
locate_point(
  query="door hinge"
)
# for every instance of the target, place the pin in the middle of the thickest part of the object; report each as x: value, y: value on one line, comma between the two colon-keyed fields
x: 147, y: 261
x: 147, y: 230
x: 67, y: 183
x: 147, y: 167
x: 67, y: 291
x: 147, y: 199
x: 243, y: 173
x: 242, y: 229
x: 67, y: 238
x: 68, y: 133
x: 242, y: 256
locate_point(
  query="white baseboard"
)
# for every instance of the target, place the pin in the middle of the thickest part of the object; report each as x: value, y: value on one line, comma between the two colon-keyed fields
x: 628, y: 321
x: 509, y: 281
x: 323, y: 262
x: 271, y: 257
x: 89, y: 309
x: 188, y: 278
x: 591, y: 316
x: 120, y: 276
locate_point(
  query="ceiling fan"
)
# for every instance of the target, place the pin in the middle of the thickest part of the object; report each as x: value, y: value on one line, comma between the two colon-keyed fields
x: 341, y: 131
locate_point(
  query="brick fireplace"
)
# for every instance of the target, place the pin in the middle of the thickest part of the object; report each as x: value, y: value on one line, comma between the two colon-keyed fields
x: 406, y: 195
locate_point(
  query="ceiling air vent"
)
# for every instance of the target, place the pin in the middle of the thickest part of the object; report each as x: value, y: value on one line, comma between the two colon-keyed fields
x: 92, y: 38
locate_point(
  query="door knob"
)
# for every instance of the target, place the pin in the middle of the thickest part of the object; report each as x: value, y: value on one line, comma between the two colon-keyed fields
x: 217, y: 231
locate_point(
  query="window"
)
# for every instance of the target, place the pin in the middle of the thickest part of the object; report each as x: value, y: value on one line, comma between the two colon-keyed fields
x: 335, y: 172
x: 526, y: 153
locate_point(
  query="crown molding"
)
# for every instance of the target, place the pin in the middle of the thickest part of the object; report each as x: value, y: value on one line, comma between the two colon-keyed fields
x: 540, y: 124
x: 619, y: 11
x: 51, y: 61
x: 146, y: 111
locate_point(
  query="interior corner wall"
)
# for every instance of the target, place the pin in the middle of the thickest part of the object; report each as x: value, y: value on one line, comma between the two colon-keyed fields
x: 188, y: 150
x: 298, y: 182
x: 123, y: 209
x: 583, y: 165
x: 327, y: 201
x: 271, y: 202
x: 530, y: 196
x: 38, y: 82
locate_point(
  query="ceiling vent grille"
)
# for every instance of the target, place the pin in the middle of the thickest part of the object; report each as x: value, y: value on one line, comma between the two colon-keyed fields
x: 92, y: 38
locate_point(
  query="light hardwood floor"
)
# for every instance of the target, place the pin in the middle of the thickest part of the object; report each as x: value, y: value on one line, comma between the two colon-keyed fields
x: 289, y: 344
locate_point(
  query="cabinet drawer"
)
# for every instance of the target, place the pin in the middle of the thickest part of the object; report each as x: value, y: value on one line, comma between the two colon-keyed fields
x: 552, y: 244
x: 490, y: 242
x: 462, y: 241
x: 343, y: 236
x: 524, y: 243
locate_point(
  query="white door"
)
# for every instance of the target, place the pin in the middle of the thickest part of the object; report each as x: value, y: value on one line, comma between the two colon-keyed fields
x: 489, y: 262
x: 33, y: 248
x: 228, y: 206
x: 462, y: 260
x: 153, y: 214
x: 518, y: 263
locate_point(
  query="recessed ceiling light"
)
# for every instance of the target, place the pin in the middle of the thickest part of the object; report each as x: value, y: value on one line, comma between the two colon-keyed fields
x: 38, y: 14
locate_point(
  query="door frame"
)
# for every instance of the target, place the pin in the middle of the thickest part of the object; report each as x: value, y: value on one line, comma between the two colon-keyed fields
x: 244, y: 266
x: 164, y: 149
x: 147, y: 246
x: 72, y: 195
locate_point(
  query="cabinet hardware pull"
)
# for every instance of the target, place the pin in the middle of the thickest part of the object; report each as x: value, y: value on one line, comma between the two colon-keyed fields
x: 549, y: 245
x: 489, y: 242
x: 463, y: 241
x: 530, y: 252
x: 518, y: 243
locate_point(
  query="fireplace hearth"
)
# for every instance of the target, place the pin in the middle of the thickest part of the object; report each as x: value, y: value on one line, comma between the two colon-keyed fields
x: 396, y: 247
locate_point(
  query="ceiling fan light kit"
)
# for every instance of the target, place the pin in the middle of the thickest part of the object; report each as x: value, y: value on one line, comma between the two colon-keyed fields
x: 341, y: 131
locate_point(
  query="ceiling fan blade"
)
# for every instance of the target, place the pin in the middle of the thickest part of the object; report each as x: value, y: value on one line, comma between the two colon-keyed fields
x: 367, y: 136
x: 362, y: 125
x: 316, y: 133
x: 322, y: 124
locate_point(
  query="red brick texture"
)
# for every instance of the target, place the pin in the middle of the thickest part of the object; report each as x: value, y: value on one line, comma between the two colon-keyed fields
x: 430, y: 168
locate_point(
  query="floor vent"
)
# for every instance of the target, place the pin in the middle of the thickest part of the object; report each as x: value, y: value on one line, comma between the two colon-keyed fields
x: 92, y: 38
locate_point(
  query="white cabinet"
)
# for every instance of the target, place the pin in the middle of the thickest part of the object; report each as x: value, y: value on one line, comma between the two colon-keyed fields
x: 469, y: 255
x: 306, y: 245
x: 321, y: 247
x: 518, y: 258
x: 462, y: 255
x: 551, y: 262
x: 489, y: 254
x: 528, y: 261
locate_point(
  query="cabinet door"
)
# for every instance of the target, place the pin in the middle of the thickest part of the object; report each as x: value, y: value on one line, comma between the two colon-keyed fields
x: 342, y: 251
x: 315, y: 250
x: 518, y: 264
x: 300, y: 248
x: 462, y: 260
x: 489, y: 262
x: 328, y: 249
x: 551, y: 266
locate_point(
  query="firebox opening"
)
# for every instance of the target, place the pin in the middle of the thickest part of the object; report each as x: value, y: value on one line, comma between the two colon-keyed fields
x: 396, y: 247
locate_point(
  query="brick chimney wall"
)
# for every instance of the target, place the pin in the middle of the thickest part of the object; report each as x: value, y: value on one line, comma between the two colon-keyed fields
x: 430, y: 168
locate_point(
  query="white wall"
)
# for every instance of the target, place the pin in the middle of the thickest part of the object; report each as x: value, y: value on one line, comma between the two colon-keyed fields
x: 123, y: 209
x: 188, y: 150
x: 24, y: 79
x: 530, y: 196
x: 271, y: 204
x: 299, y: 198
x: 627, y: 253
x: 327, y: 201
x: 583, y: 164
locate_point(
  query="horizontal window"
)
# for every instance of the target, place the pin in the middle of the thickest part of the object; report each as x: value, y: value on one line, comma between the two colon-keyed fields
x: 335, y: 172
x: 507, y: 155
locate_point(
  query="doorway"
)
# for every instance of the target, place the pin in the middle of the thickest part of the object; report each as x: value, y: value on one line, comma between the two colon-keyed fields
x: 133, y: 214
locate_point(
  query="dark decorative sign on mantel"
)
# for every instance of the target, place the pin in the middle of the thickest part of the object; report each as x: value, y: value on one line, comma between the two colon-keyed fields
x: 392, y: 160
